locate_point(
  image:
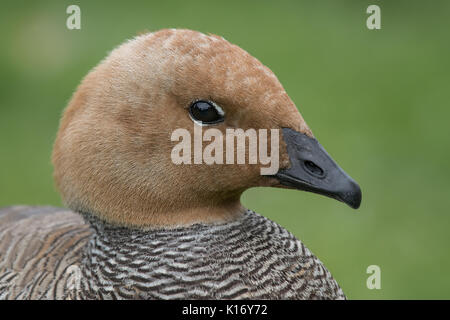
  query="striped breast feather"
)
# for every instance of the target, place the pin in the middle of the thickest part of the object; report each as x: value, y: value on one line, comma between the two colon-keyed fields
x: 37, y: 245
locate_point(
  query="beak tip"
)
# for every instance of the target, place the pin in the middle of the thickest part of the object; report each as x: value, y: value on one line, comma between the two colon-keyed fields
x: 355, y: 205
x: 353, y: 197
x: 312, y: 169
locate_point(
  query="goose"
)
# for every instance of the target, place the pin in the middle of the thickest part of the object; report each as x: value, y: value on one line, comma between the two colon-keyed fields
x: 138, y: 225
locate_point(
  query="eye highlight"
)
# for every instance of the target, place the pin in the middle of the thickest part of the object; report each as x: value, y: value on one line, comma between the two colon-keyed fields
x: 206, y: 112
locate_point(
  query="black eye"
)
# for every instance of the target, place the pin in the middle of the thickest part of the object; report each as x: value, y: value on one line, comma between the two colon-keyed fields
x: 206, y: 112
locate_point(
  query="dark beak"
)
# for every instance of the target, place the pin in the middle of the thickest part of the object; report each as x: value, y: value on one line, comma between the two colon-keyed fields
x: 312, y: 169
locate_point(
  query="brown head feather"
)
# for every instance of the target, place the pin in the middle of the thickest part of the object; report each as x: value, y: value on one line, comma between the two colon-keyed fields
x: 112, y: 152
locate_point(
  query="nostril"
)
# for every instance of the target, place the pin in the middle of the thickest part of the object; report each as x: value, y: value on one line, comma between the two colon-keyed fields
x: 313, y: 168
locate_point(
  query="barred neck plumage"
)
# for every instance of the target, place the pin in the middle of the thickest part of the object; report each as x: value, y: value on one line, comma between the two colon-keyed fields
x: 251, y: 257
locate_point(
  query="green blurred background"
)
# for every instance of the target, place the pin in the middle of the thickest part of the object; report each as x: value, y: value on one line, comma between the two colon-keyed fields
x: 377, y: 100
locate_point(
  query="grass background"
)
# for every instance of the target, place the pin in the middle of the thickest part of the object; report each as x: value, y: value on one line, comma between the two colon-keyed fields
x: 378, y: 101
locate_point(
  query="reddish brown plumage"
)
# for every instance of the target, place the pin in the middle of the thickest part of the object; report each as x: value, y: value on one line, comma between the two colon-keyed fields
x: 112, y: 153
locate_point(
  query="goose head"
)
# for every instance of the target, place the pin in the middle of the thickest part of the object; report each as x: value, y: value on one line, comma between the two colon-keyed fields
x: 113, y: 156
